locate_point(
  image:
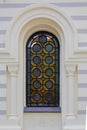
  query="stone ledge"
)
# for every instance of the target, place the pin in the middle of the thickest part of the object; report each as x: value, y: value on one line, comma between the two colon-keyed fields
x: 42, y: 109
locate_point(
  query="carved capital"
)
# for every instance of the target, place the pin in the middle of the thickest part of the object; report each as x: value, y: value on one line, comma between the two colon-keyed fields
x: 13, y: 68
x: 70, y: 69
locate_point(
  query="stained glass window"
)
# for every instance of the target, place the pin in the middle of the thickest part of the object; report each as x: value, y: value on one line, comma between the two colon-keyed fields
x: 42, y: 70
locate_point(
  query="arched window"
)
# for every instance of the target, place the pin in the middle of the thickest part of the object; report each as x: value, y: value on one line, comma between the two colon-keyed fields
x: 42, y: 70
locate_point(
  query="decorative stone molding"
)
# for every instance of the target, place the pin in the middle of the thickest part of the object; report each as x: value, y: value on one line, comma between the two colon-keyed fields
x: 70, y: 69
x: 13, y: 69
x: 70, y: 73
x: 42, y: 17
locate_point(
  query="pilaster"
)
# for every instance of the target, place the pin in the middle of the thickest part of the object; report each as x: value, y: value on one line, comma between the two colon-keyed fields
x: 13, y: 71
x: 71, y: 70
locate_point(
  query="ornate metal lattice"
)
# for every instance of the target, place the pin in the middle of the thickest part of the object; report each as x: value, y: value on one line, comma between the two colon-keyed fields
x: 42, y: 70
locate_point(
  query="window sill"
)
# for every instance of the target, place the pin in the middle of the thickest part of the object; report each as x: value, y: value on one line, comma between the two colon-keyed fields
x: 42, y: 109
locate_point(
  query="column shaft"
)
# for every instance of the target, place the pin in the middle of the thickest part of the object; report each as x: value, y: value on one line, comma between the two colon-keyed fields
x: 13, y: 68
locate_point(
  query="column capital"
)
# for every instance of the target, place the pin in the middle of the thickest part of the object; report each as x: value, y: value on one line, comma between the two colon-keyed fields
x: 13, y: 68
x: 70, y: 68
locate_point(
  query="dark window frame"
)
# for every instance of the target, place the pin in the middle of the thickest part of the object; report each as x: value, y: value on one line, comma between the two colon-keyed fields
x: 43, y: 108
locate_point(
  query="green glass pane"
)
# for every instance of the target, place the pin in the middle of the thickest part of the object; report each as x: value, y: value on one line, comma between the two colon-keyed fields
x: 49, y: 59
x: 37, y: 72
x: 28, y: 78
x: 57, y: 80
x: 49, y: 72
x: 49, y: 84
x: 36, y: 84
x: 57, y: 64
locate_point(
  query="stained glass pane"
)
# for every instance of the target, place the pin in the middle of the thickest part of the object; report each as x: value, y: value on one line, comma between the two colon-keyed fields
x: 42, y: 39
x: 49, y: 72
x: 49, y: 47
x: 49, y: 84
x: 49, y: 60
x: 36, y: 84
x: 35, y: 48
x: 42, y: 70
x: 36, y: 60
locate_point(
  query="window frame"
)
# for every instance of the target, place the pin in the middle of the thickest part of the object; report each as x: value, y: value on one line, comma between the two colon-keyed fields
x: 43, y: 108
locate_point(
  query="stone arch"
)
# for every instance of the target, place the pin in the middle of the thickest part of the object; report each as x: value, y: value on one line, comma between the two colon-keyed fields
x: 38, y: 17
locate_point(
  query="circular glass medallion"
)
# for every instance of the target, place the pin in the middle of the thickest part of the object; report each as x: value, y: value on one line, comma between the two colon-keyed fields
x: 36, y: 60
x: 48, y: 96
x: 36, y: 48
x: 49, y: 84
x: 42, y: 39
x: 49, y: 59
x: 36, y: 96
x: 49, y: 47
x: 36, y: 84
x: 49, y: 72
x: 37, y: 72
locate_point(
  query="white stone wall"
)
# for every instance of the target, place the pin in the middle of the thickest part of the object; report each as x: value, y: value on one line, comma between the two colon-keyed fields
x: 3, y: 89
x: 77, y: 11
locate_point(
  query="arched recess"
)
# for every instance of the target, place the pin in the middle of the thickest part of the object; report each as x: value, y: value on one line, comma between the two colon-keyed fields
x: 30, y: 20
